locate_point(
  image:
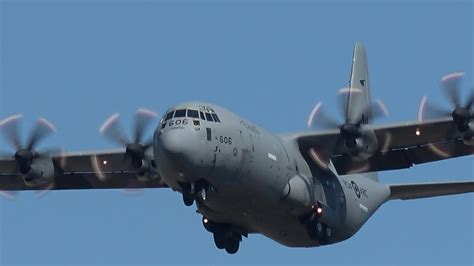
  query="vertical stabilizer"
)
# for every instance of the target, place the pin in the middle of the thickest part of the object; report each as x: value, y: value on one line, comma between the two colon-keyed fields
x: 359, y: 102
x: 359, y: 97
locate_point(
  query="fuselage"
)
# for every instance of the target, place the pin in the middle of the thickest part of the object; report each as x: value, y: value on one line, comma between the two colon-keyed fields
x: 257, y: 181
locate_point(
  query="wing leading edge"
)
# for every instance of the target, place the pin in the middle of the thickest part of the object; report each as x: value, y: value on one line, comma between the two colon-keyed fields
x: 400, y: 146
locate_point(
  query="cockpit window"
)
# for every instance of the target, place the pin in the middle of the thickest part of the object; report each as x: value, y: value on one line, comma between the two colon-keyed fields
x: 169, y: 115
x: 209, y: 117
x: 180, y: 113
x: 193, y: 113
x: 216, y: 118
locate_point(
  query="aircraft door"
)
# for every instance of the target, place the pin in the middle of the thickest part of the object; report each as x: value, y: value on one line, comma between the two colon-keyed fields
x: 227, y: 153
x: 212, y: 150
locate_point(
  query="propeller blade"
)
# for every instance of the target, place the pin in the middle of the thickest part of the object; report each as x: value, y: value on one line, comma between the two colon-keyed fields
x: 143, y: 118
x: 10, y: 195
x: 10, y: 128
x: 379, y: 109
x: 42, y: 129
x: 111, y: 130
x: 355, y: 107
x: 450, y: 85
x: 427, y: 110
x: 148, y: 144
x: 343, y: 101
x: 320, y: 158
x: 470, y: 101
x: 46, y: 189
x: 100, y: 167
x: 319, y: 119
x: 59, y: 154
x: 133, y: 192
x: 441, y: 150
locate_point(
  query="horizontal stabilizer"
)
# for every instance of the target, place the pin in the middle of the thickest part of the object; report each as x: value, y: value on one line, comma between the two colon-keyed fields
x: 427, y: 190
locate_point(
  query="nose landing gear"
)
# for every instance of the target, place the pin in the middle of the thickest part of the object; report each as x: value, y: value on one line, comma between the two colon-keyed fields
x: 188, y: 195
x: 199, y: 189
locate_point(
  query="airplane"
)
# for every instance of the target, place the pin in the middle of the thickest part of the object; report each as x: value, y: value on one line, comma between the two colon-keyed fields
x: 304, y: 189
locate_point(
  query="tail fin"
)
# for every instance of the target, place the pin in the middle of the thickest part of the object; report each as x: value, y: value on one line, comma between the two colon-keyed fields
x: 359, y: 102
x: 359, y: 96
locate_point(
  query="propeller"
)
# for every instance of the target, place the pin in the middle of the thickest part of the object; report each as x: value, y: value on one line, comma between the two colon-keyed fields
x: 351, y: 128
x: 135, y: 148
x: 319, y: 119
x: 26, y: 153
x: 461, y: 114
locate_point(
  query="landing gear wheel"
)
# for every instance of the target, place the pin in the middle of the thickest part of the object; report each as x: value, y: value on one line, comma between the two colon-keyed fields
x: 232, y: 244
x: 315, y: 229
x: 326, y: 235
x: 188, y: 199
x: 220, y: 240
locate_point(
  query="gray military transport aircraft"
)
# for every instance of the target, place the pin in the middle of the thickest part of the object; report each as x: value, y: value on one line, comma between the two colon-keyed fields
x: 300, y: 189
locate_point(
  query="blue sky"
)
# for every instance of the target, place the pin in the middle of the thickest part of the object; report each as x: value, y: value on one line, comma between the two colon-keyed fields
x: 76, y: 62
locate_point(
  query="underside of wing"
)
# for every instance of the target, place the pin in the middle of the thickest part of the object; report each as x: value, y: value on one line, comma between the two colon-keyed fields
x: 78, y: 181
x: 30, y: 168
x: 398, y: 146
x: 356, y: 145
x: 89, y: 170
x: 418, y: 191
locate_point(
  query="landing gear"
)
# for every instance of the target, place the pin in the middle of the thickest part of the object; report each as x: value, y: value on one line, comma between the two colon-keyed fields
x: 228, y: 240
x: 327, y: 233
x: 219, y: 240
x: 224, y: 236
x: 319, y: 231
x: 315, y: 229
x: 188, y: 195
x: 232, y: 242
x: 198, y: 190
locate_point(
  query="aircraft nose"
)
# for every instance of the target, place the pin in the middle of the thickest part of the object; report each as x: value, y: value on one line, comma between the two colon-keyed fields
x: 174, y: 143
x: 179, y: 145
x: 176, y: 153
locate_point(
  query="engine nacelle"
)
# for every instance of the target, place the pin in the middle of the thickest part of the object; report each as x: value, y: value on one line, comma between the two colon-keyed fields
x: 363, y: 147
x: 468, y: 136
x: 146, y: 172
x: 40, y: 173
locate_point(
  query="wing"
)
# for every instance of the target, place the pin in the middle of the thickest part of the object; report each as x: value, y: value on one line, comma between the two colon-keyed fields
x: 401, y: 146
x: 88, y: 170
x: 418, y: 191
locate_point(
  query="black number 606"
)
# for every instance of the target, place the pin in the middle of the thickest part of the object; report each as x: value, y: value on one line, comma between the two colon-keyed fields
x: 178, y: 122
x: 226, y: 140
